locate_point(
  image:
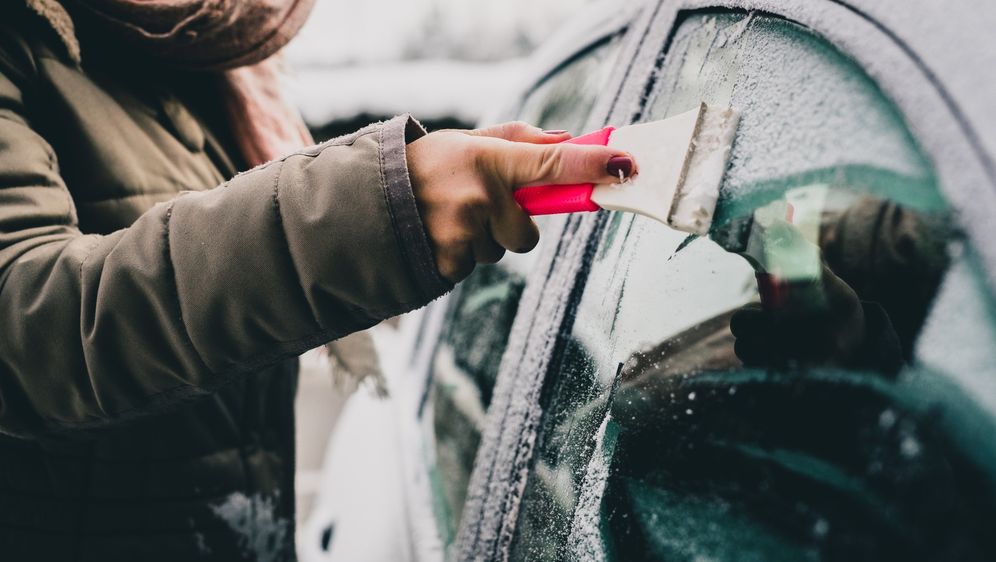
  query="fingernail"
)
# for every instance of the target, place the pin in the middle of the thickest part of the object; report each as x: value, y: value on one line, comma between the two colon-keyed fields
x: 620, y: 166
x: 555, y: 132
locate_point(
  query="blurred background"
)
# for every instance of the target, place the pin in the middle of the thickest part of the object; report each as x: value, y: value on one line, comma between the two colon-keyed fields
x: 444, y: 61
x: 448, y: 63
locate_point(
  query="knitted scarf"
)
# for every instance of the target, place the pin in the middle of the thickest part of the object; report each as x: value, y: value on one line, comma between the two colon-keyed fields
x: 233, y: 38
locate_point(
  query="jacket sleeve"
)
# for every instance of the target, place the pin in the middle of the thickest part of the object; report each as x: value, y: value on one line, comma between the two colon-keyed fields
x: 203, y: 288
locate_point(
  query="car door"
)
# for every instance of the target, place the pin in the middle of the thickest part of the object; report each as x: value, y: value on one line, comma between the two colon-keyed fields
x: 662, y: 407
x: 469, y: 330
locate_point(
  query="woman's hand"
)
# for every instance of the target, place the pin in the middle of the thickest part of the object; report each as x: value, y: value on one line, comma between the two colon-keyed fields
x: 463, y: 183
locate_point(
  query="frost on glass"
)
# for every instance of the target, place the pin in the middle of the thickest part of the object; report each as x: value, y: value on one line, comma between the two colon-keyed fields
x: 481, y: 311
x: 771, y: 392
x: 464, y: 369
x: 565, y: 100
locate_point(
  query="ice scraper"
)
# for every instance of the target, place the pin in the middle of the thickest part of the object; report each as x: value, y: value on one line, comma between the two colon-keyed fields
x: 681, y: 161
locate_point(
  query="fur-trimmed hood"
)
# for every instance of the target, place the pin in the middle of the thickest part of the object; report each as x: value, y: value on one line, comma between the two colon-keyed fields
x: 56, y: 15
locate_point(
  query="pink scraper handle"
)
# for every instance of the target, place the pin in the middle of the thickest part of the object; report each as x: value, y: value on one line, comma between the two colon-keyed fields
x: 568, y: 198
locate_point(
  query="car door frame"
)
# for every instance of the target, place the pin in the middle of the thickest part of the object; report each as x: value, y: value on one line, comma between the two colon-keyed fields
x: 934, y: 114
x: 425, y: 327
x: 541, y: 309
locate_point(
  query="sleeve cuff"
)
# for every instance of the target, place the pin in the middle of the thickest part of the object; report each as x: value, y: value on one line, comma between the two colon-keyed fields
x: 395, y: 134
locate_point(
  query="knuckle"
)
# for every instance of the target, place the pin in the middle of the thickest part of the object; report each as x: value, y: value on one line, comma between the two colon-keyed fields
x: 455, y: 240
x: 473, y: 200
x: 455, y: 265
x: 515, y: 128
x: 593, y: 161
x: 449, y: 270
x: 461, y: 219
x: 465, y: 150
x: 479, y: 156
x: 551, y: 161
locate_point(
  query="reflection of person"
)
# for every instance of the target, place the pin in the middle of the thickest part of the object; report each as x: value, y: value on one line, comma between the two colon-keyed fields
x: 752, y: 451
x: 122, y: 301
x: 882, y: 266
x: 843, y: 331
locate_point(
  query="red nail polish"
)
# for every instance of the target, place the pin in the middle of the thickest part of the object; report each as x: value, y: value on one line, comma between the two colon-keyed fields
x: 555, y: 132
x: 620, y: 164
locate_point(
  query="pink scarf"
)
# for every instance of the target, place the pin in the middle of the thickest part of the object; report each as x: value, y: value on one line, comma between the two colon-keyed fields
x: 234, y: 38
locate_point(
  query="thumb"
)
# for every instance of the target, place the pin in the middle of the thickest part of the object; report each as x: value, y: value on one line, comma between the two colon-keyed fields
x: 518, y: 164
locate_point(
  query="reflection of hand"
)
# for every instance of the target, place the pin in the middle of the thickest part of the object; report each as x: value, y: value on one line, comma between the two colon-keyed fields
x: 463, y: 183
x: 830, y: 332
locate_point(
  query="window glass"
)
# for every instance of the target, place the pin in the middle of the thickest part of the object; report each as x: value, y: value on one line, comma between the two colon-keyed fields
x: 565, y: 100
x: 692, y: 416
x: 481, y: 310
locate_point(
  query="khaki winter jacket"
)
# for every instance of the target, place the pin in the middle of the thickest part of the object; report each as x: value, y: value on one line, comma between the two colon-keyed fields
x: 149, y: 320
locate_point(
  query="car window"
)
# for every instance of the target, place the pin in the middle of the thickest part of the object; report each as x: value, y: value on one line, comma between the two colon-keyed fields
x: 481, y: 311
x: 565, y: 99
x: 693, y: 416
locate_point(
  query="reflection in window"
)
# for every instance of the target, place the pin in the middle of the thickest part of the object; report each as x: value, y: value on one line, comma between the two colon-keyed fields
x: 693, y: 416
x: 482, y: 309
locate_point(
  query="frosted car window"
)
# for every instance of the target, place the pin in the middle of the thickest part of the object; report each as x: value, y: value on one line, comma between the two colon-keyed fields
x: 464, y: 369
x: 565, y: 100
x: 465, y: 364
x: 686, y: 420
